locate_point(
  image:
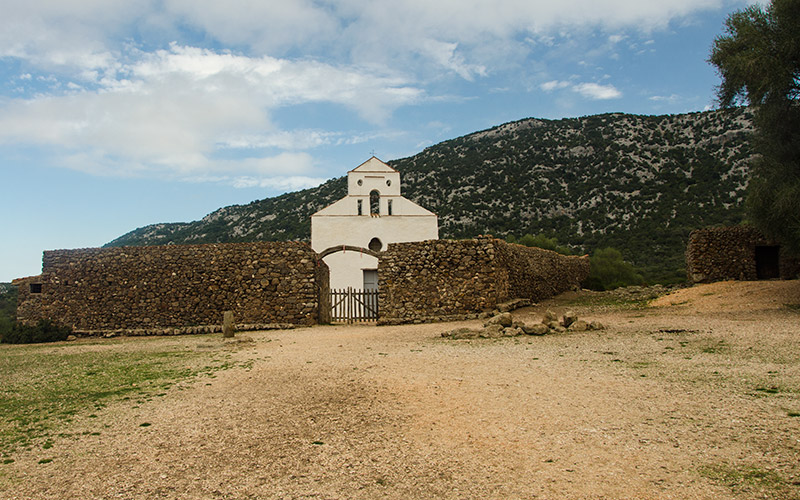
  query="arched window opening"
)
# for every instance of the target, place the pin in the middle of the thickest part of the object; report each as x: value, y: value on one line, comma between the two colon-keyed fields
x: 389, y: 207
x: 374, y: 203
x: 375, y: 245
x: 360, y: 207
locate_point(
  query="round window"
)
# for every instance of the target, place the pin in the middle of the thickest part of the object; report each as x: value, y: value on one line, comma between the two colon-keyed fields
x: 388, y: 182
x: 360, y: 182
x: 375, y: 245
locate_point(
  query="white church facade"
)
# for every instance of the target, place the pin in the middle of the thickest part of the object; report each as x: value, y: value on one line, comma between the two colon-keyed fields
x: 351, y: 231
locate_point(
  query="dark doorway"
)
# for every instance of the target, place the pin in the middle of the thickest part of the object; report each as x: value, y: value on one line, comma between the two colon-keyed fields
x: 767, y: 262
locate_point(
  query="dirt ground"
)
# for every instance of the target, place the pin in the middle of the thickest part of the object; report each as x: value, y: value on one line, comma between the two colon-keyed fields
x: 696, y: 396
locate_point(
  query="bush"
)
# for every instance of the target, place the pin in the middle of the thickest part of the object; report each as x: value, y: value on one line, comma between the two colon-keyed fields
x: 44, y: 331
x: 540, y: 241
x: 609, y: 271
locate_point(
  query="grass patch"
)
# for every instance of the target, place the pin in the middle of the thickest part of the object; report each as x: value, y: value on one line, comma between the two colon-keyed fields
x: 45, y: 387
x: 746, y: 479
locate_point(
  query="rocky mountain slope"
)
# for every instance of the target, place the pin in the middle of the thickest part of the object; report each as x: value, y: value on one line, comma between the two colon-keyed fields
x: 637, y: 183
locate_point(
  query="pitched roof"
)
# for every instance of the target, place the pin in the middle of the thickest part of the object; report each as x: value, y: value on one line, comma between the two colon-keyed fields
x: 373, y: 165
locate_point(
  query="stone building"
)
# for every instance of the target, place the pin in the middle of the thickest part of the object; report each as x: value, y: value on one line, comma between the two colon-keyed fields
x: 373, y: 239
x: 350, y: 233
x: 736, y: 253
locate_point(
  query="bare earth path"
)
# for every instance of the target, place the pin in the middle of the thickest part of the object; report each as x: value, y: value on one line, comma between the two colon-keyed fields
x: 697, y: 397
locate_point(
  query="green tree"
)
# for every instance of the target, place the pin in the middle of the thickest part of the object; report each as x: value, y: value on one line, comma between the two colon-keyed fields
x: 609, y: 271
x: 758, y: 59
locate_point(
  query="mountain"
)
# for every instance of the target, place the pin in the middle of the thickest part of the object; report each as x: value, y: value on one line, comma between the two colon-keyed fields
x: 636, y: 183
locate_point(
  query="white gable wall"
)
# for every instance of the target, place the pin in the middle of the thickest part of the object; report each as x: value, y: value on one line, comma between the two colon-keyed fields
x: 339, y: 224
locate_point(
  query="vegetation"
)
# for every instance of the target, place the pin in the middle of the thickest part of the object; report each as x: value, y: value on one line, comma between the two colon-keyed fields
x: 43, y: 331
x: 44, y: 389
x: 758, y: 61
x: 8, y: 308
x: 540, y: 241
x: 609, y: 271
x: 636, y: 183
x: 12, y: 332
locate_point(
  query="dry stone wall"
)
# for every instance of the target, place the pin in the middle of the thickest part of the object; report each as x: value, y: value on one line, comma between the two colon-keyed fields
x: 536, y: 274
x: 730, y: 253
x: 143, y: 288
x: 440, y: 280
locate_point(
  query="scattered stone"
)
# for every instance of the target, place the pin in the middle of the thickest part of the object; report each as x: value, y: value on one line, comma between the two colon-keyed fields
x: 579, y: 326
x: 549, y: 316
x: 503, y: 319
x: 569, y: 318
x: 70, y: 338
x: 537, y: 329
x: 553, y: 325
x: 462, y: 333
x: 596, y: 325
x: 513, y: 331
x: 559, y: 329
x: 493, y: 331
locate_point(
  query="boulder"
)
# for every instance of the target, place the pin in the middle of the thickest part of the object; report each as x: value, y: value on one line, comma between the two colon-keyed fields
x: 503, y: 319
x: 569, y: 318
x: 553, y: 325
x: 462, y: 333
x: 549, y: 316
x: 596, y: 325
x: 537, y: 329
x: 579, y: 326
x: 493, y: 331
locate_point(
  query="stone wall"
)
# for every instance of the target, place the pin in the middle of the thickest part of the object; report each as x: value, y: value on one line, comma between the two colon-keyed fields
x: 536, y: 274
x: 729, y: 253
x: 128, y: 288
x: 29, y: 304
x: 438, y: 280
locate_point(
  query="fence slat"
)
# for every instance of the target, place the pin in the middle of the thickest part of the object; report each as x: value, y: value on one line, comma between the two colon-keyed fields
x: 353, y: 305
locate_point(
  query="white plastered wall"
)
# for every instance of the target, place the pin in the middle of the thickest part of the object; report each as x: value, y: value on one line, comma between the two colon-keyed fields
x: 339, y: 224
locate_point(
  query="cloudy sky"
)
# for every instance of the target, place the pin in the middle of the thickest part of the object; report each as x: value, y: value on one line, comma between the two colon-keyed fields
x: 115, y: 114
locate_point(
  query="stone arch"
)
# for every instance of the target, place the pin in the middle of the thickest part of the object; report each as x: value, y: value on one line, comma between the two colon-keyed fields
x: 347, y: 248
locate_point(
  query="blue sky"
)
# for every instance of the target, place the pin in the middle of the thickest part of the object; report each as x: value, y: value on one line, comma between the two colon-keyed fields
x: 118, y: 114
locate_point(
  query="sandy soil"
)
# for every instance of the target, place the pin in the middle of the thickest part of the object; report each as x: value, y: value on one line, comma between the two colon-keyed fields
x: 691, y: 398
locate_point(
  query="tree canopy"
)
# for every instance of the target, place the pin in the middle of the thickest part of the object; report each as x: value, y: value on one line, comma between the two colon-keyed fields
x: 758, y: 59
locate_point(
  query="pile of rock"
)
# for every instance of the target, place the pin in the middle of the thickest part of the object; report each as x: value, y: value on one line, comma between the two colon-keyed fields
x: 503, y: 325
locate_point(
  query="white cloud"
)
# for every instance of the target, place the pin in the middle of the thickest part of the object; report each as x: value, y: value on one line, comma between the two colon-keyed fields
x: 467, y: 37
x: 590, y: 90
x: 166, y: 113
x: 292, y: 183
x: 107, y: 105
x: 554, y: 85
x: 597, y: 91
x: 670, y: 98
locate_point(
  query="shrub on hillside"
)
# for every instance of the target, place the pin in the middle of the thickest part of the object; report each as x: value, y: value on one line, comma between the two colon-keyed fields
x: 540, y: 241
x: 44, y: 331
x: 609, y: 271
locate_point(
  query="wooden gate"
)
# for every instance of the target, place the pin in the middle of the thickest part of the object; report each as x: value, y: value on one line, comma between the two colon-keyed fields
x: 352, y: 305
